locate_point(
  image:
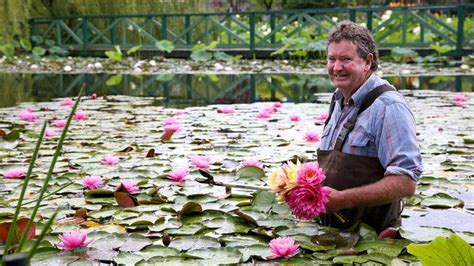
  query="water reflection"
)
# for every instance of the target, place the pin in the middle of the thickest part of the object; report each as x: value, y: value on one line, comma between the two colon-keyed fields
x: 194, y: 90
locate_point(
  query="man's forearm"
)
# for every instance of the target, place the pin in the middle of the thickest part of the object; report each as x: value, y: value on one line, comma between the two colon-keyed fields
x: 388, y: 189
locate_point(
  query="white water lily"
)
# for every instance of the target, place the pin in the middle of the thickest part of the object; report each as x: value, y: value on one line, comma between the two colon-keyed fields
x: 228, y: 68
x: 90, y: 65
x: 67, y: 68
x: 97, y: 65
x: 152, y: 63
x: 34, y: 66
x: 218, y: 66
x: 334, y: 19
x: 464, y: 67
x: 137, y: 70
x: 417, y: 30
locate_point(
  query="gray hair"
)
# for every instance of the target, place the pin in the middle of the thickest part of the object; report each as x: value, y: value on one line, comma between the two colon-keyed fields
x: 358, y: 35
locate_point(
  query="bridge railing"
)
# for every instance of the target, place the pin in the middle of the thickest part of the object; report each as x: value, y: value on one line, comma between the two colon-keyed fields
x: 414, y: 27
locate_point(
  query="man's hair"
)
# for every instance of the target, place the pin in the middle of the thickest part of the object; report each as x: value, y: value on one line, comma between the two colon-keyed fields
x: 360, y: 36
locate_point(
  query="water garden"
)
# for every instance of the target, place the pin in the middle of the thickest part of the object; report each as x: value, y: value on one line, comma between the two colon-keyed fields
x: 130, y: 159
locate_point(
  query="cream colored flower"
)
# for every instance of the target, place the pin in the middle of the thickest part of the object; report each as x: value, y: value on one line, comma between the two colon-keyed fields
x: 277, y: 180
x: 291, y: 171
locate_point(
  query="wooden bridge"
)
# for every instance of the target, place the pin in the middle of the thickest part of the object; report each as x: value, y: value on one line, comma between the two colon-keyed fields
x: 258, y: 34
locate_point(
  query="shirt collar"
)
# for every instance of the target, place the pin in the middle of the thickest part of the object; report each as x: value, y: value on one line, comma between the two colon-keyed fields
x: 358, y: 96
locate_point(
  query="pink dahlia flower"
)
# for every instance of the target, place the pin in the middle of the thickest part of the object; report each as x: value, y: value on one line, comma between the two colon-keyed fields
x: 130, y: 186
x: 60, y: 123
x: 110, y: 159
x: 92, y: 181
x: 73, y: 240
x: 48, y: 132
x: 295, y: 118
x: 178, y: 175
x: 310, y: 173
x: 307, y: 200
x: 323, y: 116
x: 311, y: 136
x: 201, y: 162
x: 67, y: 102
x: 28, y: 115
x: 252, y: 162
x: 15, y: 173
x: 170, y: 121
x: 227, y: 109
x: 172, y: 128
x: 283, y: 247
x: 80, y: 115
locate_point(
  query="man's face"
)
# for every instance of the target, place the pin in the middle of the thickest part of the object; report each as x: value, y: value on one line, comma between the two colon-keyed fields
x: 346, y: 69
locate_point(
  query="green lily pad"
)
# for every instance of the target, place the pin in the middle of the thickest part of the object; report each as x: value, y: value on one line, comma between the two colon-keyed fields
x: 441, y: 200
x: 217, y: 255
x: 125, y: 258
x: 188, y: 243
x: 250, y: 172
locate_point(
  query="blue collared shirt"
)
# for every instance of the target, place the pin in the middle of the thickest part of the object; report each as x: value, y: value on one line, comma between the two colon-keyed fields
x: 386, y: 130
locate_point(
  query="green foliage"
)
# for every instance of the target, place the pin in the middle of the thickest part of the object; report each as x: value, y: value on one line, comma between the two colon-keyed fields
x: 114, y: 80
x: 134, y: 49
x: 403, y: 55
x: 38, y: 51
x: 165, y: 45
x: 442, y: 49
x: 7, y: 49
x: 200, y: 52
x: 115, y: 55
x: 26, y: 44
x: 452, y: 250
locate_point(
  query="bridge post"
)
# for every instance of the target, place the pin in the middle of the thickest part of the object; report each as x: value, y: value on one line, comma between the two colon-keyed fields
x: 352, y: 14
x: 85, y: 33
x: 460, y: 34
x: 164, y: 27
x: 252, y: 35
x: 369, y: 20
x: 404, y: 25
x: 272, y: 26
x: 187, y: 25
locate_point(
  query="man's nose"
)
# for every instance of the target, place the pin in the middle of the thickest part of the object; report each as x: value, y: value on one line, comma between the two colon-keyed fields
x: 337, y: 66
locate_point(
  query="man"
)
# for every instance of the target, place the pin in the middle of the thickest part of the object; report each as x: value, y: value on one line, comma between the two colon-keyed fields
x: 368, y: 148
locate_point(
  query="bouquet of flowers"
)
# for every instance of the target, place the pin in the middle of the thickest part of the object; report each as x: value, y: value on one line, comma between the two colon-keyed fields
x: 299, y: 185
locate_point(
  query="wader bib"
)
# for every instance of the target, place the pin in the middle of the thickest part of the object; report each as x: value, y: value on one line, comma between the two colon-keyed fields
x: 344, y: 171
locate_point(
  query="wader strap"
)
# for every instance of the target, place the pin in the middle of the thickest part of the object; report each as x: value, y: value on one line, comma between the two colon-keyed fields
x: 331, y: 108
x: 350, y: 123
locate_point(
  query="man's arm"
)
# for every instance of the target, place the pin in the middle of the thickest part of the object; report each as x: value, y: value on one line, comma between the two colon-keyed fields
x: 387, y: 189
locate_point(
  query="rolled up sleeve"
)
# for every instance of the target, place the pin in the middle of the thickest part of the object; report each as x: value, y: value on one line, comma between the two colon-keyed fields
x: 397, y: 146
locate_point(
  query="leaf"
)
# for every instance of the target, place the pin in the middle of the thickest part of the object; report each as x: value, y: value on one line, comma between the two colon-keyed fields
x: 125, y: 200
x: 217, y: 255
x: 193, y: 242
x: 165, y: 45
x: 190, y: 207
x: 114, y: 80
x: 12, y: 135
x: 337, y: 238
x: 263, y: 201
x: 201, y: 56
x: 125, y: 258
x: 25, y: 43
x: 134, y: 49
x: 444, y: 251
x: 38, y: 51
x: 167, y: 135
x: 21, y: 224
x: 441, y: 200
x: 223, y: 56
x: 250, y: 172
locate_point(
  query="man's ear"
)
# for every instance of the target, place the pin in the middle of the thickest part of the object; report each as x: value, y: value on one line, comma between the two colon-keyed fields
x: 368, y: 62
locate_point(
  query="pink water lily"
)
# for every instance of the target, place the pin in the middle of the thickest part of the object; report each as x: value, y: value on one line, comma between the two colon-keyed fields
x: 263, y: 114
x: 73, y: 240
x: 323, y: 116
x: 92, y: 182
x: 226, y: 109
x: 172, y: 128
x: 28, y: 115
x: 67, y: 102
x: 16, y: 173
x: 170, y: 121
x: 93, y: 96
x: 48, y: 132
x: 252, y: 162
x: 283, y: 247
x: 80, y: 115
x: 277, y: 104
x: 110, y: 159
x: 60, y: 123
x: 130, y: 185
x: 179, y: 112
x: 311, y: 136
x: 295, y: 118
x: 201, y: 162
x: 460, y: 98
x: 178, y: 175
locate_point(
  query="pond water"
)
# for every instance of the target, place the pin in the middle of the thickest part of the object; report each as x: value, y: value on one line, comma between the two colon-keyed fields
x: 128, y: 122
x: 185, y: 90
